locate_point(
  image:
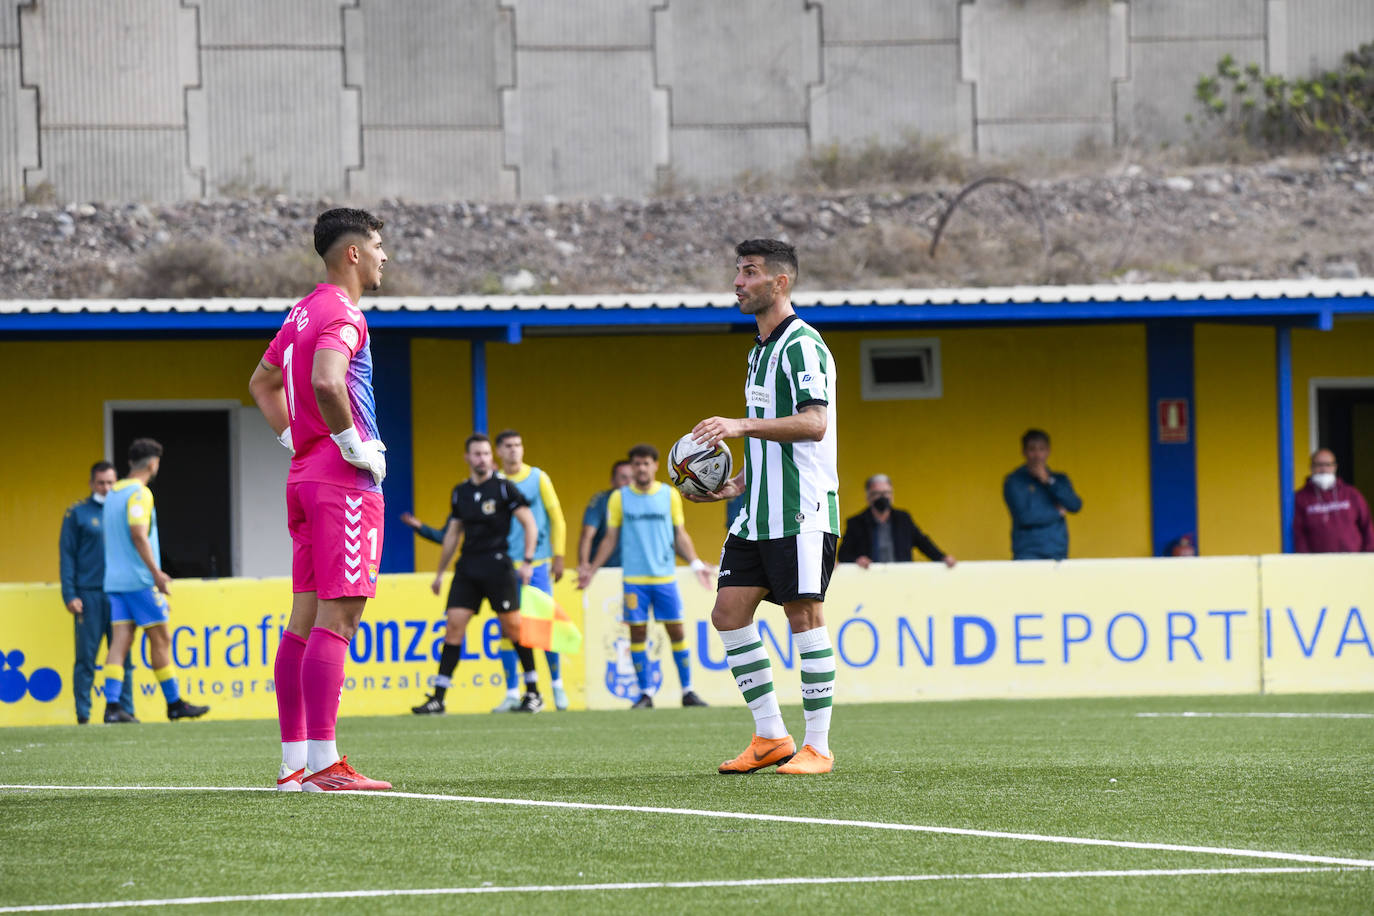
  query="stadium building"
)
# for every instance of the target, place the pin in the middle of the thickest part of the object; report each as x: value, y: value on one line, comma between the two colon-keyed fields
x: 1176, y: 408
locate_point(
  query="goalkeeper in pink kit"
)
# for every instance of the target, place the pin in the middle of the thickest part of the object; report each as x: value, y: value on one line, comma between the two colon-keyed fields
x: 314, y: 386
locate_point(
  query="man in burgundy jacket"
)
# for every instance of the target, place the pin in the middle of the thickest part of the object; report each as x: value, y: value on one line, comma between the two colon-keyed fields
x: 1329, y: 515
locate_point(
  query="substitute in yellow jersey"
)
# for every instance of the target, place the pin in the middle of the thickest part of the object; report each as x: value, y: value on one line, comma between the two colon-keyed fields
x: 546, y: 562
x: 645, y: 520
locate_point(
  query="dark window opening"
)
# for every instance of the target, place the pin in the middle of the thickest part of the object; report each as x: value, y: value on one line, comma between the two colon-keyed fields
x: 191, y: 493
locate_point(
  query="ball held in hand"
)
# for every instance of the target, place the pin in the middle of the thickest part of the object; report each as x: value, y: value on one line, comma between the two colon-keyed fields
x: 699, y: 470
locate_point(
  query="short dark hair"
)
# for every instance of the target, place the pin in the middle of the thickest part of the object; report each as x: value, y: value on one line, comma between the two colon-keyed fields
x: 101, y: 465
x: 778, y: 256
x: 505, y: 434
x: 336, y: 223
x: 475, y: 437
x: 617, y: 466
x: 644, y: 450
x: 142, y: 450
x: 1034, y: 435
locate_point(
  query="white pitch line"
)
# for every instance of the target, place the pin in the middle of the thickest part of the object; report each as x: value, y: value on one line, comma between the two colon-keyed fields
x: 656, y: 885
x: 1255, y: 715
x: 773, y: 818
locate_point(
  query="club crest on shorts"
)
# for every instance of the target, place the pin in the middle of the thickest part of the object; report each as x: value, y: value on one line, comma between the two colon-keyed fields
x: 801, y: 516
x: 372, y: 573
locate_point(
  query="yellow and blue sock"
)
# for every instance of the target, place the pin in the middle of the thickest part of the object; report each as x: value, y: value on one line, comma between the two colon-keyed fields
x: 683, y: 659
x: 114, y: 684
x: 555, y: 666
x: 639, y: 656
x: 167, y: 680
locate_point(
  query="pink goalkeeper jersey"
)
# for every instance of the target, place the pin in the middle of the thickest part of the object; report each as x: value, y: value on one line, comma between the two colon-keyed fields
x: 325, y: 319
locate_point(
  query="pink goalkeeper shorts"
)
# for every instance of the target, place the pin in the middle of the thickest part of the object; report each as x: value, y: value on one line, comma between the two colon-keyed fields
x: 336, y: 538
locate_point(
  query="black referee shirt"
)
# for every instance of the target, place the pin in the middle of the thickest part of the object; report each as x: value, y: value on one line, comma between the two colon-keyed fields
x: 485, y: 512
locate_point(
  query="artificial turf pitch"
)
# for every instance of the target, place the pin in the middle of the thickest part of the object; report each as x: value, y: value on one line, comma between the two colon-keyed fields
x: 1040, y: 769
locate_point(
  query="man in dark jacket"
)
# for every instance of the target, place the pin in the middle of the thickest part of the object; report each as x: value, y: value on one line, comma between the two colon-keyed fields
x: 1039, y: 500
x: 882, y: 534
x: 1329, y: 515
x: 81, y: 549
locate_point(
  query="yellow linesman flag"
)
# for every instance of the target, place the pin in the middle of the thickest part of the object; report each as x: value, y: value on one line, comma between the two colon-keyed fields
x: 545, y: 625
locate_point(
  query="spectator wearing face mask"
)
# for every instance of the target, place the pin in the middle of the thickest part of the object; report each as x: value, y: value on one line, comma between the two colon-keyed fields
x: 1329, y: 515
x: 882, y: 534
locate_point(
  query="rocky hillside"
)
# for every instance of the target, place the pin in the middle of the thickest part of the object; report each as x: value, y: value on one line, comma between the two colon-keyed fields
x: 1129, y: 222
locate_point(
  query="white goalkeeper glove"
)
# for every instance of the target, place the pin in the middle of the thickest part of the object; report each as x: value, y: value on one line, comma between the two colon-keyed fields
x: 366, y: 455
x: 285, y: 440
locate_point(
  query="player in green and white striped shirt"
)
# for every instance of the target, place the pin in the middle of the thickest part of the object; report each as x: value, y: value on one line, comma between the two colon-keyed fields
x: 781, y: 547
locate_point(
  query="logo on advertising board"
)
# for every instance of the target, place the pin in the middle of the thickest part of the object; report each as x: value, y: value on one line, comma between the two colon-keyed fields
x: 44, y: 684
x: 620, y: 670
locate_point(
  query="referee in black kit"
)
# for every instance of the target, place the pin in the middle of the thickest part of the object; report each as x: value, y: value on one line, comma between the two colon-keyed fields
x: 482, y: 507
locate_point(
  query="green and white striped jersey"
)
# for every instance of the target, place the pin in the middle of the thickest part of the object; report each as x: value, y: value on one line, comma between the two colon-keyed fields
x: 789, y: 487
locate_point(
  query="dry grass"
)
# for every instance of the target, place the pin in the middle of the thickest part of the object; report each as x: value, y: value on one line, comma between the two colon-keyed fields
x: 208, y: 269
x: 917, y: 159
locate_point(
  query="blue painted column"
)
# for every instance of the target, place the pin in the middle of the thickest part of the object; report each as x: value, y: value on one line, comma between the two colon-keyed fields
x: 1283, y: 364
x: 391, y: 382
x: 479, y: 385
x: 1173, y: 427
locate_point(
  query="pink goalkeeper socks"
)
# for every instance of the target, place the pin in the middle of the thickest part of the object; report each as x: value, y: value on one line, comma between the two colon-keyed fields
x: 287, y: 674
x: 322, y: 677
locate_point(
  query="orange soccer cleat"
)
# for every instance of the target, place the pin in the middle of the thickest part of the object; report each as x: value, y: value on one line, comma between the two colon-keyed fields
x: 761, y: 752
x: 808, y: 761
x: 340, y: 777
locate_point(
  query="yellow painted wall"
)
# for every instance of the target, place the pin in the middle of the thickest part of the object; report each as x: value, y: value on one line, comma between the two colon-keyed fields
x: 581, y: 402
x: 54, y: 396
x: 1346, y: 351
x: 948, y: 457
x: 1237, y: 425
x: 441, y: 408
x: 1237, y: 436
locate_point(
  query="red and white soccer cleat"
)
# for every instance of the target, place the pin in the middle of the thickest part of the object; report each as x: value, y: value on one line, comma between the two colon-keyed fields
x: 287, y: 781
x: 340, y: 777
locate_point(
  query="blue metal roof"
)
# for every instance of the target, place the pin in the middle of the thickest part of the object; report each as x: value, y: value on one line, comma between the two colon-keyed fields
x: 1308, y: 303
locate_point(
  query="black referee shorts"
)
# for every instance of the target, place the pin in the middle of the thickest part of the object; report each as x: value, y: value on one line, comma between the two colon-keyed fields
x: 789, y: 568
x: 492, y: 578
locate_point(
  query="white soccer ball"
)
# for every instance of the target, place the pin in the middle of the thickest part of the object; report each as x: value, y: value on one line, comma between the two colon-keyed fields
x: 699, y: 470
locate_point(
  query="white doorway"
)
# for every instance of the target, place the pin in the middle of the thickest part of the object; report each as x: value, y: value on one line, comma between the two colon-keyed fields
x: 1341, y: 418
x: 221, y: 492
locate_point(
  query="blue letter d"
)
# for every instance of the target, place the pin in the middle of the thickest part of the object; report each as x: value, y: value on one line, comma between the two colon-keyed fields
x: 989, y: 638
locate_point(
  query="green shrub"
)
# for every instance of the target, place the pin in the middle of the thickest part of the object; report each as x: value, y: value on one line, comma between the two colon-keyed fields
x: 1329, y: 110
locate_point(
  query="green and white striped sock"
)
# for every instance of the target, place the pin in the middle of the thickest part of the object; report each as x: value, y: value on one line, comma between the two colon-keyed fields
x: 754, y: 677
x: 818, y: 685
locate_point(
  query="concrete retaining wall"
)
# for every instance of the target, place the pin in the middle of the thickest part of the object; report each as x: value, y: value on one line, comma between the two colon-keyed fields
x: 449, y: 99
